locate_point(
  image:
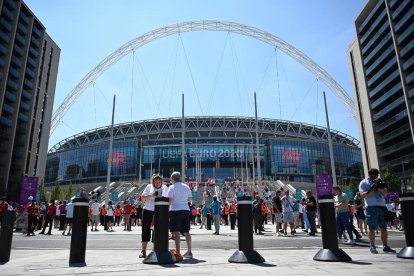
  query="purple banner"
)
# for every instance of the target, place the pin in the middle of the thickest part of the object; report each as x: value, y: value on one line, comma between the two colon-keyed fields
x: 323, y: 184
x: 28, y: 188
x: 392, y: 196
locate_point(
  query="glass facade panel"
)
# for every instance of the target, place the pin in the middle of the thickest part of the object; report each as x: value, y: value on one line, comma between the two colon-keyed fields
x: 81, y: 160
x: 301, y: 160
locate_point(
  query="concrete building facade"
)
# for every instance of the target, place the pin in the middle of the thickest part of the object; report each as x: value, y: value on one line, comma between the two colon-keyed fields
x: 381, y: 60
x: 29, y: 61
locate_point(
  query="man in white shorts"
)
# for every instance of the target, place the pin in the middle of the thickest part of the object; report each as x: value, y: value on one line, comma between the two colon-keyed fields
x: 288, y: 203
x: 95, y: 214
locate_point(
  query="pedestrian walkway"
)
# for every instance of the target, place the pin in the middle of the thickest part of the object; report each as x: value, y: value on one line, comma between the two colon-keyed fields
x: 206, y: 262
x: 116, y: 253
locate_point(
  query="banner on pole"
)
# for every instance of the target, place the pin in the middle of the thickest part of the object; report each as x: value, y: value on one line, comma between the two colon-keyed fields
x: 324, y: 184
x: 28, y: 188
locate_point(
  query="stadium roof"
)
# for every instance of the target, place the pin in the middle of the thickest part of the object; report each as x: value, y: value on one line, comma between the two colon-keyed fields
x: 204, y: 127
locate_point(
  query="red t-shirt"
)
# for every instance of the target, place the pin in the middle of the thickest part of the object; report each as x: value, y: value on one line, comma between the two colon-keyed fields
x: 31, y: 210
x: 51, y: 210
x: 3, y: 207
x: 127, y: 209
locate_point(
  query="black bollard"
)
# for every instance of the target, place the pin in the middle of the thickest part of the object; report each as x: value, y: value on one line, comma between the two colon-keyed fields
x: 330, y: 252
x: 6, y: 235
x: 161, y: 253
x: 232, y: 221
x: 407, y: 212
x: 209, y: 221
x: 79, y: 232
x: 246, y: 253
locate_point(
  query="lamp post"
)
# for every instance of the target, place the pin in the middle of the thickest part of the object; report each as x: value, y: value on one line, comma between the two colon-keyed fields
x: 405, y: 179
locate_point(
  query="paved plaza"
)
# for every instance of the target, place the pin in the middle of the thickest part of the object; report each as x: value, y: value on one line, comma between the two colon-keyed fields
x: 117, y: 254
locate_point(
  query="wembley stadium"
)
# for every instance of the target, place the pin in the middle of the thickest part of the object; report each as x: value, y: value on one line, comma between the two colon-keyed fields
x: 216, y: 147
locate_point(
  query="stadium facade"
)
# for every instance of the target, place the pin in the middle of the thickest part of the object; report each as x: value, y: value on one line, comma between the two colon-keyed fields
x: 224, y: 146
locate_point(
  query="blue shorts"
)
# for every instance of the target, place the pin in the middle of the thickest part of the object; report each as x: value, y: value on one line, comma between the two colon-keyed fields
x: 180, y: 221
x: 375, y: 216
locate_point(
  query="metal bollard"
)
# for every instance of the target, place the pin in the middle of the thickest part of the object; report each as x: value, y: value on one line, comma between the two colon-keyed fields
x: 232, y: 221
x: 79, y: 232
x: 330, y: 252
x: 6, y: 235
x: 208, y: 220
x: 407, y: 211
x: 161, y: 253
x: 246, y: 253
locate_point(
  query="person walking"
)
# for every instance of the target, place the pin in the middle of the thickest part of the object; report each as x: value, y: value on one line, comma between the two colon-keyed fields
x: 277, y: 206
x: 360, y: 214
x: 204, y: 213
x: 69, y: 218
x: 180, y: 195
x: 216, y: 209
x: 95, y: 215
x: 62, y: 218
x: 110, y: 217
x: 257, y: 216
x: 288, y: 204
x: 233, y: 215
x: 374, y: 192
x: 50, y: 213
x: 127, y: 213
x: 117, y: 214
x: 311, y: 212
x: 32, y: 211
x: 342, y: 215
x: 149, y: 194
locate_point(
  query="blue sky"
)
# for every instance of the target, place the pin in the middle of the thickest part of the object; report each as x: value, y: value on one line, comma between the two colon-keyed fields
x: 221, y: 70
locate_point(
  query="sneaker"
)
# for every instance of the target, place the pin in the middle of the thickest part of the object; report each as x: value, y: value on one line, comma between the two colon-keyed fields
x: 373, y: 249
x: 277, y: 234
x: 388, y: 249
x: 350, y: 242
x: 188, y: 255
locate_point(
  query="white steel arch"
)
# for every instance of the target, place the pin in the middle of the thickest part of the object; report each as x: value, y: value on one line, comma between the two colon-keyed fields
x: 192, y: 26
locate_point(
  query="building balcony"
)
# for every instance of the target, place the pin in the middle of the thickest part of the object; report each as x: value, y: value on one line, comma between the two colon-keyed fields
x: 397, y: 147
x: 10, y: 97
x: 7, y: 109
x: 393, y: 120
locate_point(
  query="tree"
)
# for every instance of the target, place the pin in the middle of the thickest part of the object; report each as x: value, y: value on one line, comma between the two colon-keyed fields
x: 353, y: 184
x: 41, y: 190
x: 412, y: 182
x: 57, y: 193
x: 392, y: 180
x: 69, y: 191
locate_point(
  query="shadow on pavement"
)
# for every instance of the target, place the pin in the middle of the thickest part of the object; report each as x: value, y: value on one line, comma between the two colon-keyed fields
x: 192, y: 261
x: 360, y: 263
x: 265, y: 265
x: 168, y: 265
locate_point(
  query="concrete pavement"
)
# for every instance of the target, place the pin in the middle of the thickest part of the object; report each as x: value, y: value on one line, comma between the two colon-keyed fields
x: 116, y: 260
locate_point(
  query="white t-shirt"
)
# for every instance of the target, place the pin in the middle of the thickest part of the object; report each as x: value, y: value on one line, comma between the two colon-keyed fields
x: 110, y: 211
x: 179, y: 194
x: 95, y: 208
x: 287, y: 204
x: 57, y: 210
x: 149, y: 190
x: 69, y: 210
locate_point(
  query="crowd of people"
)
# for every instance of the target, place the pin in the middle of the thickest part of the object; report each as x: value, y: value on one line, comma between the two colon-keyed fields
x: 368, y: 209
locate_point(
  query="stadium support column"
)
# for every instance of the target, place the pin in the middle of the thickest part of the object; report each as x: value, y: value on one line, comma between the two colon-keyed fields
x: 183, y: 141
x: 111, y: 141
x: 259, y: 171
x: 330, y: 143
